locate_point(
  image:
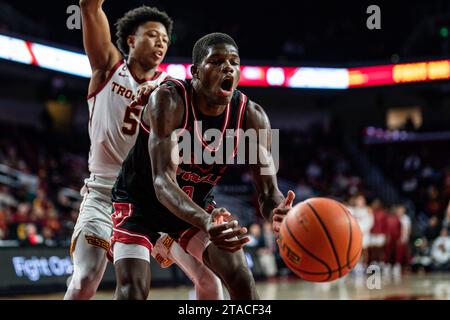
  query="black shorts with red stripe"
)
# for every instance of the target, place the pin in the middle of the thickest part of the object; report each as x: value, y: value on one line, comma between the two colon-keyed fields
x: 135, y: 225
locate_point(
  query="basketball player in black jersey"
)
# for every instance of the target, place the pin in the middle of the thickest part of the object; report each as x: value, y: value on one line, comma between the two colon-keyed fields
x: 155, y: 194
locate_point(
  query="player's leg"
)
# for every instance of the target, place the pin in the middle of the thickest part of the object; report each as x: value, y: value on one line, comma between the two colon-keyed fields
x: 231, y: 268
x: 207, y: 285
x: 132, y: 266
x: 131, y: 246
x: 90, y: 242
x: 89, y: 263
x: 167, y: 251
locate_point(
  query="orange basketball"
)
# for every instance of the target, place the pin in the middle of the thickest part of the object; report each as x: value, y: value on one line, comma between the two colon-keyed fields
x: 320, y: 240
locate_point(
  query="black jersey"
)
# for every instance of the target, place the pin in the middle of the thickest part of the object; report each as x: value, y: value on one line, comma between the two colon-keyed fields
x: 134, y: 184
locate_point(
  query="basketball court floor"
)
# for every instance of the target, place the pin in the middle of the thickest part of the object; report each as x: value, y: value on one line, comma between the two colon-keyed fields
x: 411, y: 286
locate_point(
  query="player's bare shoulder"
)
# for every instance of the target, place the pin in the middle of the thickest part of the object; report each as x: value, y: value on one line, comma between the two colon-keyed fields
x: 256, y: 116
x: 165, y: 110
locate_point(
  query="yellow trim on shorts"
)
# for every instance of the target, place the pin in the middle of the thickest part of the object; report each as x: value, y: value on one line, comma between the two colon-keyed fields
x: 97, y: 242
x: 72, y: 247
x: 164, y: 262
x: 168, y: 241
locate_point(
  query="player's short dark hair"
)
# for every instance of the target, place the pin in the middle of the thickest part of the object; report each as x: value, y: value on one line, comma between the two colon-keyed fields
x: 128, y: 24
x: 201, y: 46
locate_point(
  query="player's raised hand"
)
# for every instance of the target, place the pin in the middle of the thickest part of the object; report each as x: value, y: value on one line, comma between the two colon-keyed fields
x: 142, y: 94
x: 226, y: 235
x: 281, y: 211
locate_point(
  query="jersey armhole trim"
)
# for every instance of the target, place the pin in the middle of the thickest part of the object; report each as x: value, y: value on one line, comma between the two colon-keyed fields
x: 186, y: 104
x: 145, y: 126
x: 105, y: 82
x: 240, y: 121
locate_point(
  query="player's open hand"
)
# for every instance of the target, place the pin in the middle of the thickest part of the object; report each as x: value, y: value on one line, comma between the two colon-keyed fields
x: 142, y: 94
x: 226, y: 235
x: 281, y: 211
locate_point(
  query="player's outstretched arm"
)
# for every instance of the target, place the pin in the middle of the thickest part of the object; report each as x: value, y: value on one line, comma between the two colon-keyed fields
x: 102, y: 53
x: 165, y: 112
x: 273, y: 205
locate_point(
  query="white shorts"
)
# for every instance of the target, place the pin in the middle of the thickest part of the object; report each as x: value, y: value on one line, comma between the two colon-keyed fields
x: 377, y: 240
x: 196, y: 246
x: 94, y: 217
x: 162, y: 250
x: 366, y: 240
x: 130, y: 251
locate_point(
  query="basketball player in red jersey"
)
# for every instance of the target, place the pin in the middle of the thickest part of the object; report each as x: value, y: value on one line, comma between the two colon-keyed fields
x: 154, y: 194
x: 143, y: 38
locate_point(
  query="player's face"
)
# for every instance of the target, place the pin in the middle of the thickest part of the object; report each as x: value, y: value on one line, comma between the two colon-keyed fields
x: 219, y: 73
x: 149, y: 44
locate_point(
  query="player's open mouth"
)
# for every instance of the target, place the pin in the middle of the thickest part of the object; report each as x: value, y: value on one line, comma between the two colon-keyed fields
x: 158, y: 54
x: 227, y: 86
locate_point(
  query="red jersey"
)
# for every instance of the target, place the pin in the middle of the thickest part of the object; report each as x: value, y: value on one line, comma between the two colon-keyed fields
x: 379, y: 222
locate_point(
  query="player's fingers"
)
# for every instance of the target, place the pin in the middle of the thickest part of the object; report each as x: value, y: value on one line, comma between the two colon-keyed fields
x: 237, y: 242
x: 290, y: 198
x: 236, y: 232
x: 278, y: 218
x: 281, y: 211
x: 231, y: 250
x: 233, y: 245
x: 220, y: 212
x: 148, y: 90
x: 219, y: 220
x: 133, y: 104
x: 138, y: 97
x: 215, y: 230
x: 241, y: 239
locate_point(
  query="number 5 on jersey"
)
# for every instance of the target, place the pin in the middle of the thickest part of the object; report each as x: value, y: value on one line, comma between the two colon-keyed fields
x: 130, y: 121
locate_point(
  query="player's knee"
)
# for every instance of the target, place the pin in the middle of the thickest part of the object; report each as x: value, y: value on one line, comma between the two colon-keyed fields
x: 204, y: 278
x: 81, y: 287
x: 130, y: 291
x: 88, y: 280
x: 132, y: 288
x: 86, y: 283
x: 237, y: 276
x: 87, y: 277
x: 87, y: 288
